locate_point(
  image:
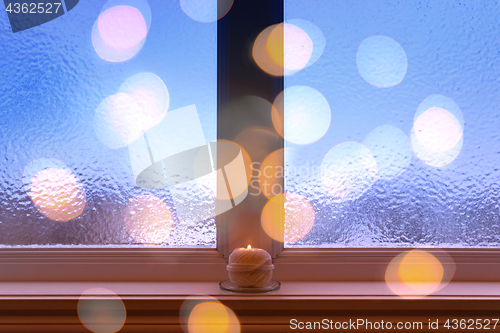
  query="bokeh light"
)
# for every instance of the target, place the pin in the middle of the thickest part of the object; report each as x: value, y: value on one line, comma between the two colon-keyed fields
x: 189, y: 304
x: 348, y: 170
x: 101, y: 311
x: 284, y: 48
x: 234, y: 169
x: 148, y: 219
x: 120, y: 30
x: 109, y: 53
x: 141, y: 5
x: 391, y: 149
x: 289, y: 46
x: 435, y: 159
x: 231, y: 168
x: 304, y: 112
x: 272, y: 173
x: 316, y: 36
x: 437, y: 133
x: 287, y: 217
x: 122, y: 27
x: 208, y: 317
x: 437, y: 130
x: 234, y: 323
x: 206, y: 10
x: 261, y: 54
x: 443, y: 102
x: 381, y: 61
x: 151, y: 96
x: 54, y: 189
x: 203, y: 313
x: 418, y: 273
x: 118, y: 121
x: 244, y: 112
x: 258, y: 142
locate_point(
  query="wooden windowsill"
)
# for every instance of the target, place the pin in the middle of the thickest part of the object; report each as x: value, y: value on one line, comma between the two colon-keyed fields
x: 154, y: 306
x: 289, y: 290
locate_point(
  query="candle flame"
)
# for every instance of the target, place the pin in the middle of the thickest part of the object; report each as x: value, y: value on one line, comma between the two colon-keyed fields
x: 249, y: 247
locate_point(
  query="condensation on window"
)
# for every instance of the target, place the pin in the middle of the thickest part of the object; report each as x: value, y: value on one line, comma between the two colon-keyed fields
x: 391, y: 118
x: 95, y: 106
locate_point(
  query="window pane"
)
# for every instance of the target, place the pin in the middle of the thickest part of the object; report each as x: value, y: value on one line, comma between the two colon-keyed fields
x: 96, y: 104
x: 391, y: 122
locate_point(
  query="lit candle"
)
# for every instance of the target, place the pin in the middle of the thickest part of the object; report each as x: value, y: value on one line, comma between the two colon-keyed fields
x: 250, y: 267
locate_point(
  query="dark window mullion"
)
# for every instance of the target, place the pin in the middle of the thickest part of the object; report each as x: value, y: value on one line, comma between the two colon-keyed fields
x: 238, y: 76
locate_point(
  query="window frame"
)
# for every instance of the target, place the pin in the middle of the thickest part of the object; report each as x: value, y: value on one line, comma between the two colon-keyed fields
x: 365, y: 264
x: 201, y: 264
x: 359, y: 264
x: 169, y: 265
x: 141, y: 264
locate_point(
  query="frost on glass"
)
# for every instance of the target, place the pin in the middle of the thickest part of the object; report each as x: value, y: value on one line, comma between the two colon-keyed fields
x: 411, y: 153
x: 77, y: 94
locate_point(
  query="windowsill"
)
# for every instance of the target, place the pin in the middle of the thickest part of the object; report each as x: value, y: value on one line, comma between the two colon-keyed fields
x: 193, y: 265
x: 154, y: 306
x: 290, y: 290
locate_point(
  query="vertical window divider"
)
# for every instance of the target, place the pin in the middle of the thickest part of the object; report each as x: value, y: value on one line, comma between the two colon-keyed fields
x: 238, y: 76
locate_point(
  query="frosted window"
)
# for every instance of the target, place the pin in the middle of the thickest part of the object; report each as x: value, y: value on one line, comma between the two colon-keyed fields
x: 92, y: 103
x: 392, y: 121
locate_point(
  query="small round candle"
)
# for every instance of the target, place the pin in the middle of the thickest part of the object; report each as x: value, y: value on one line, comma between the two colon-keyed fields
x: 250, y: 267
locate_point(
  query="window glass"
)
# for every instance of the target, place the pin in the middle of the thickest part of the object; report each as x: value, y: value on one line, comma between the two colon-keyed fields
x: 391, y: 123
x: 96, y: 104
